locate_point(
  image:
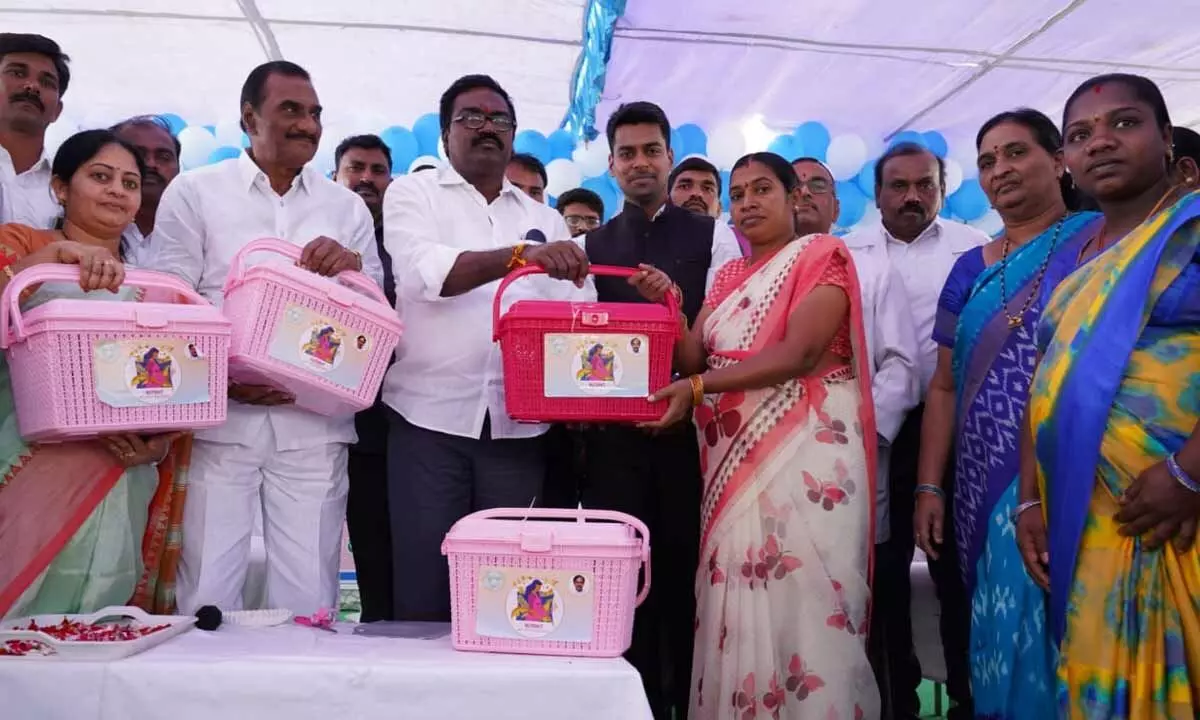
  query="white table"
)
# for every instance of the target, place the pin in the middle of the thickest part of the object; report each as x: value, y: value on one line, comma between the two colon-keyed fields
x: 300, y: 673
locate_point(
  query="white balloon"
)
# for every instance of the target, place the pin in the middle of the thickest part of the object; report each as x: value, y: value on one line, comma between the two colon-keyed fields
x: 229, y: 133
x: 57, y: 133
x: 424, y: 160
x: 870, y: 218
x: 991, y: 222
x: 196, y: 144
x: 954, y: 175
x: 592, y: 158
x: 562, y: 175
x: 726, y: 144
x: 964, y: 154
x: 845, y: 156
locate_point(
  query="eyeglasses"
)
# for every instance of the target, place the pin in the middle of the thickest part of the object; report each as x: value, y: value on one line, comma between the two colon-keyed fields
x: 586, y: 221
x: 816, y: 186
x: 476, y: 120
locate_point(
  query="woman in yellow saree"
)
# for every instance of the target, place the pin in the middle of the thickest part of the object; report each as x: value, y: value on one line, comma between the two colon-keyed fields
x: 86, y: 524
x: 1112, y: 449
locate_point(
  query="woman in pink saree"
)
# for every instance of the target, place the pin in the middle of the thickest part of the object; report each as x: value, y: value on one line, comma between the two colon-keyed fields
x: 775, y: 370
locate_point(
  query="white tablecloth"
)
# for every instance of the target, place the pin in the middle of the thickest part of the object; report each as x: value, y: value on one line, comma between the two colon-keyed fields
x: 299, y: 673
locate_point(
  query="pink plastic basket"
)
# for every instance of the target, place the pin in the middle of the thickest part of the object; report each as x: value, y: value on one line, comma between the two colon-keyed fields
x: 75, y: 362
x: 499, y: 557
x: 528, y: 331
x: 328, y: 342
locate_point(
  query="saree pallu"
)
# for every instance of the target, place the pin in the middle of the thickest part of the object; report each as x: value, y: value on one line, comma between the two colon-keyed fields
x: 78, y: 531
x: 1115, y: 393
x: 1011, y: 652
x: 787, y: 534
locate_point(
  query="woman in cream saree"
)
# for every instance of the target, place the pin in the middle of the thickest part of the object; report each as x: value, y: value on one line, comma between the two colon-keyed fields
x: 787, y: 516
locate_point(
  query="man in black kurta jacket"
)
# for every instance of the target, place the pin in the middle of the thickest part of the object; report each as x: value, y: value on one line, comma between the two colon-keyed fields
x: 655, y: 478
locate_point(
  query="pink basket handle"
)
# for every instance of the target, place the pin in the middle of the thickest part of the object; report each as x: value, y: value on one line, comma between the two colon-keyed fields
x: 611, y: 270
x: 581, y: 516
x: 10, y: 302
x: 350, y: 278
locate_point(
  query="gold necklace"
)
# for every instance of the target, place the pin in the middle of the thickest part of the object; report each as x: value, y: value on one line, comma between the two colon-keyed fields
x: 1015, y: 321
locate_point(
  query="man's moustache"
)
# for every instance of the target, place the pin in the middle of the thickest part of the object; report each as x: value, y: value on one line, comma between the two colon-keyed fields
x: 28, y: 97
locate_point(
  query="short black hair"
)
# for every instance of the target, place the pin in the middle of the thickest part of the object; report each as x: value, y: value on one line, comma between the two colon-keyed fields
x: 532, y: 164
x: 908, y: 149
x: 256, y: 81
x: 362, y: 142
x: 39, y: 45
x: 638, y: 113
x: 1186, y: 143
x: 85, y: 145
x: 1143, y: 89
x: 155, y: 121
x: 581, y: 196
x: 465, y: 84
x: 693, y: 164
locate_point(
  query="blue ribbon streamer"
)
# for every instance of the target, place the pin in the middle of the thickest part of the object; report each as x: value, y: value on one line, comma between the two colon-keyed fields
x: 587, y: 82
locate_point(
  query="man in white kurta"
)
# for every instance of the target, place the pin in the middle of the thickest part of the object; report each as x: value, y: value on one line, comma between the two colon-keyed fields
x: 922, y: 248
x: 289, y: 462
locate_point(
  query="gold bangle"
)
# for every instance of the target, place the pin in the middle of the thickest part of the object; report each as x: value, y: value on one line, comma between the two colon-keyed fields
x: 8, y: 272
x: 697, y: 390
x: 517, y: 261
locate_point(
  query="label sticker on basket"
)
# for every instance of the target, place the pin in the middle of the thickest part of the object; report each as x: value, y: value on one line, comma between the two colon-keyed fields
x: 519, y: 603
x: 590, y: 365
x: 149, y: 371
x: 312, y: 342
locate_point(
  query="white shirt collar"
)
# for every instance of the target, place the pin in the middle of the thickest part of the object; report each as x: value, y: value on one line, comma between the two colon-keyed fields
x: 42, y: 165
x: 932, y: 232
x: 252, y: 173
x: 447, y: 175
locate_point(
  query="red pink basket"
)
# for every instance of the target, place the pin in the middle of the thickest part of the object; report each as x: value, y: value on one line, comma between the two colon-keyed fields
x: 86, y: 367
x: 327, y: 342
x: 584, y: 362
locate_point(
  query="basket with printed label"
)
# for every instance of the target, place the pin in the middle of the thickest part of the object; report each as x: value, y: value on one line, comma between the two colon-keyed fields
x: 524, y: 581
x: 585, y: 362
x: 326, y: 341
x: 88, y: 366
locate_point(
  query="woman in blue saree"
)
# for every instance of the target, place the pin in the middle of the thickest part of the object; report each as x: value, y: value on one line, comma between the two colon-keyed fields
x: 985, y: 329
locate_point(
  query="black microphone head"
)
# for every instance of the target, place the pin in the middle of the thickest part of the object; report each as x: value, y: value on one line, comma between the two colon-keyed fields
x: 535, y: 236
x: 208, y: 617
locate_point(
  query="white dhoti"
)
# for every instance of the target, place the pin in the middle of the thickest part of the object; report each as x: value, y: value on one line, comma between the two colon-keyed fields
x: 302, y: 497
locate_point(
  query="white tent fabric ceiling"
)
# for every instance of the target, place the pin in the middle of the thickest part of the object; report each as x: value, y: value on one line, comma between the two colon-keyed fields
x: 872, y: 68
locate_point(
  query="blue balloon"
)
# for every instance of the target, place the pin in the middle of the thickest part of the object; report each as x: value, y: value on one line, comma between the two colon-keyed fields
x: 552, y: 201
x: 403, y: 144
x: 245, y: 140
x: 562, y: 144
x: 908, y: 136
x: 786, y: 147
x: 814, y: 140
x: 969, y: 202
x: 428, y: 129
x: 936, y: 143
x: 223, y: 153
x: 692, y: 141
x: 945, y: 211
x: 173, y: 121
x: 866, y: 180
x: 853, y: 203
x: 602, y: 187
x: 533, y: 143
x: 212, y: 129
x: 677, y: 145
x: 725, y: 175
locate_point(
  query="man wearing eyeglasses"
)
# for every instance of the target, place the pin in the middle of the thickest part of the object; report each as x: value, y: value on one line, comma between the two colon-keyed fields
x: 582, y: 209
x: 895, y: 383
x: 453, y: 233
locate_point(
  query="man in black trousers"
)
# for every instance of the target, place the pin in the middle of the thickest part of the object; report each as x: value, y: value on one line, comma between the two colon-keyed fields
x: 655, y: 478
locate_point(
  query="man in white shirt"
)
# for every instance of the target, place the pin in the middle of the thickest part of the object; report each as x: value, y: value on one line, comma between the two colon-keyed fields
x: 34, y: 75
x: 289, y: 462
x: 453, y: 233
x: 159, y: 149
x: 655, y: 478
x: 922, y: 248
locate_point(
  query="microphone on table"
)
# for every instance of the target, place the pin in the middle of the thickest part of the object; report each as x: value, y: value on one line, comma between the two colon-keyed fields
x: 535, y: 236
x: 208, y: 617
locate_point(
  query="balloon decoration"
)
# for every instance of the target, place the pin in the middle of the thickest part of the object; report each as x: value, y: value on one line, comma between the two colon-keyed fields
x: 572, y: 163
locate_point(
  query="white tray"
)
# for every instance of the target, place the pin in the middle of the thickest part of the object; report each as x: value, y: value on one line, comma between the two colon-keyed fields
x: 96, y: 651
